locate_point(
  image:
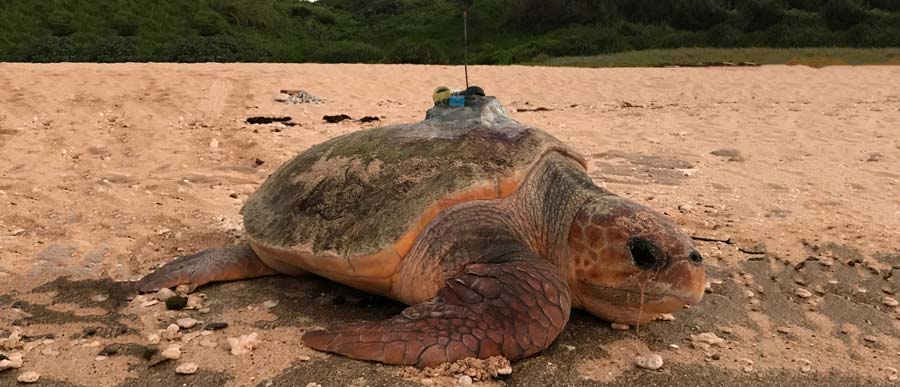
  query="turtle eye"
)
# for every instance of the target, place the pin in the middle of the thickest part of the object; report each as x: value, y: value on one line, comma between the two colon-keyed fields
x: 645, y: 254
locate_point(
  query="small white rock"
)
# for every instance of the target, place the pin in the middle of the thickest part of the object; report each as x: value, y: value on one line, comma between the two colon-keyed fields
x: 707, y: 338
x: 674, y: 346
x: 171, y: 332
x: 164, y: 294
x: 504, y: 371
x: 303, y: 358
x: 243, y: 344
x: 891, y: 302
x: 173, y: 352
x: 214, y: 144
x: 685, y: 208
x: 101, y: 358
x: 270, y: 303
x: 802, y: 293
x: 620, y: 327
x: 208, y: 343
x: 464, y: 380
x: 13, y: 341
x: 150, y: 303
x: 100, y: 297
x: 186, y: 369
x: 666, y: 317
x: 28, y: 377
x: 186, y: 322
x: 153, y: 338
x: 14, y: 361
x: 650, y: 361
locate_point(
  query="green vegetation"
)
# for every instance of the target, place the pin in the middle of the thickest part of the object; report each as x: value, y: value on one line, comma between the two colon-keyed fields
x: 816, y: 57
x: 602, y: 32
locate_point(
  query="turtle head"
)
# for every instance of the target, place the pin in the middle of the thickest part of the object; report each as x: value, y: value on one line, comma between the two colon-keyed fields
x: 629, y: 263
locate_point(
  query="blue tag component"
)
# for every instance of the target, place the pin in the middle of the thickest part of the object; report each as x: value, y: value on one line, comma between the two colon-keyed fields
x: 457, y: 101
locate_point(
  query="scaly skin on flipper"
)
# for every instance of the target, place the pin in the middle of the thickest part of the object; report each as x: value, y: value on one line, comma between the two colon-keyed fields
x: 514, y: 308
x: 212, y: 265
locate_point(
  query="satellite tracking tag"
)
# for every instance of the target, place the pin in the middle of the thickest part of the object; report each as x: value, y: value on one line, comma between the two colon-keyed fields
x: 457, y: 101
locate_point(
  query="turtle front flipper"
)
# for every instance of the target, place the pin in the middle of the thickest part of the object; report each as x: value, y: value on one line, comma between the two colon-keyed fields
x: 212, y: 265
x: 514, y: 309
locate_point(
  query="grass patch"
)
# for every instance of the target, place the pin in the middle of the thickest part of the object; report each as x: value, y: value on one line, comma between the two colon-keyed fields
x: 814, y: 57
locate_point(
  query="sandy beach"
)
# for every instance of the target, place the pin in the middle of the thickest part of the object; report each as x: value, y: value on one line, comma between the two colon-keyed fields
x: 788, y: 177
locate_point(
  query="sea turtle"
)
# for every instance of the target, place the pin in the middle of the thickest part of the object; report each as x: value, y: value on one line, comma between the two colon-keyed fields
x: 489, y: 229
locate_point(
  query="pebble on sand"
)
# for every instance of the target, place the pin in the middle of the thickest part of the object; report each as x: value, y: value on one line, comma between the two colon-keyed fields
x: 153, y: 338
x: 149, y: 303
x: 270, y: 303
x: 650, y: 361
x: 464, y: 380
x: 13, y: 360
x: 891, y: 302
x: 666, y: 317
x: 28, y: 377
x: 173, y: 352
x: 186, y: 369
x: 619, y: 327
x: 164, y: 294
x: 186, y: 323
x: 243, y: 344
x: 803, y: 293
x: 708, y: 338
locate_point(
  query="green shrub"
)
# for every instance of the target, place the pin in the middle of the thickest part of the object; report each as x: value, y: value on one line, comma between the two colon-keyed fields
x: 48, y: 49
x: 259, y: 14
x: 725, y: 35
x: 425, y: 52
x: 842, y: 14
x: 220, y: 48
x: 61, y: 22
x: 886, y: 5
x: 109, y: 50
x: 124, y: 23
x: 696, y: 15
x: 346, y: 52
x: 762, y: 14
x: 866, y: 35
x: 208, y: 23
x: 805, y: 5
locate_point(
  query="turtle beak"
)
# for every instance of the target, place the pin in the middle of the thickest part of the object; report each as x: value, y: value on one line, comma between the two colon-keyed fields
x: 687, y: 280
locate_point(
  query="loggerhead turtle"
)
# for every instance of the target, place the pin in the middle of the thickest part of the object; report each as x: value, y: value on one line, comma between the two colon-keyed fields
x: 489, y: 229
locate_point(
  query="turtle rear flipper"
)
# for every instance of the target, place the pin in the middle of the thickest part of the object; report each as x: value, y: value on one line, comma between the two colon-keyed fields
x: 513, y: 309
x: 212, y: 265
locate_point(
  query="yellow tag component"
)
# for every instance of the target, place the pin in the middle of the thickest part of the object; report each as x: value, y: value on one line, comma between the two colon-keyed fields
x: 441, y: 94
